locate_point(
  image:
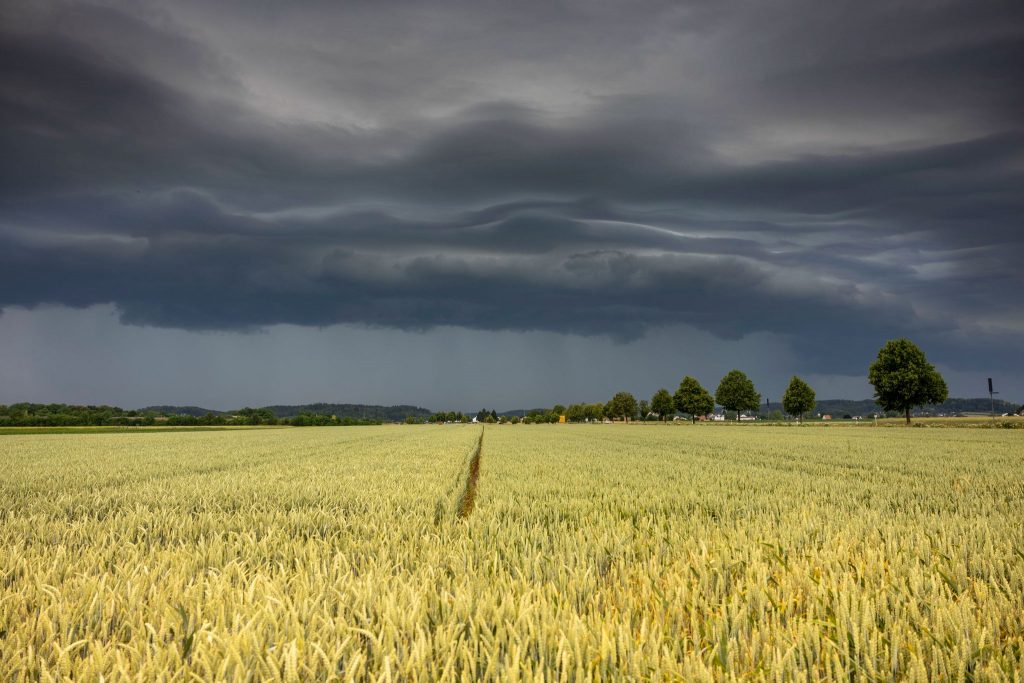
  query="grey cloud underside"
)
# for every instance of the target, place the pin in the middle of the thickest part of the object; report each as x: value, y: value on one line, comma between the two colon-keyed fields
x: 799, y: 182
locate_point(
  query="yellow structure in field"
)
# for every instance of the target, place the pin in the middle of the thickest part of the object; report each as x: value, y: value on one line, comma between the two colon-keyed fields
x: 561, y: 419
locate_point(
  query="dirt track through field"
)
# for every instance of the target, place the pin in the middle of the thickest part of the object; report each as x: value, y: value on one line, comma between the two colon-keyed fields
x: 468, y: 498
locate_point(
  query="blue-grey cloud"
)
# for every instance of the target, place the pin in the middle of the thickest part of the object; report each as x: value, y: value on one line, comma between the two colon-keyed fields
x: 836, y: 177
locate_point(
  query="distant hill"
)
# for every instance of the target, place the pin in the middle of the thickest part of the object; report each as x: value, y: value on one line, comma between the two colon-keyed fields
x: 356, y: 411
x: 949, y: 407
x: 975, y: 405
x: 194, y: 411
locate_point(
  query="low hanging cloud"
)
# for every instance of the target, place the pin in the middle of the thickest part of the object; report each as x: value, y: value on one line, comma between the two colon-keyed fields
x: 477, y: 180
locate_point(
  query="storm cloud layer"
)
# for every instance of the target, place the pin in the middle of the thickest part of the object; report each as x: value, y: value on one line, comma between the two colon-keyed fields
x: 832, y: 173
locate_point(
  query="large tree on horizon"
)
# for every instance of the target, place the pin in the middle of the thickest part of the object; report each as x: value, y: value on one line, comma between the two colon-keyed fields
x: 903, y: 378
x: 798, y: 398
x: 692, y: 398
x: 736, y: 392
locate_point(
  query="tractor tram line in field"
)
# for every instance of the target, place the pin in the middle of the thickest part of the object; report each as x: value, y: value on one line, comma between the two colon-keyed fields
x: 462, y: 491
x: 468, y: 498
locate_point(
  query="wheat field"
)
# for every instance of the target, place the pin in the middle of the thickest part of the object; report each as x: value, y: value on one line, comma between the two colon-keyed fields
x: 581, y: 553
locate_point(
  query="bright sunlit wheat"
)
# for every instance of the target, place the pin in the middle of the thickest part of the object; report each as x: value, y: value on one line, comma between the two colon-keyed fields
x: 590, y: 552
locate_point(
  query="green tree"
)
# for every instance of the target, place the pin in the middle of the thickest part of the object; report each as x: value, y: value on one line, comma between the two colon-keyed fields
x: 622, y: 405
x: 558, y: 409
x: 798, y: 398
x: 662, y: 404
x: 256, y: 416
x: 693, y: 399
x: 645, y: 410
x: 736, y: 392
x: 903, y: 378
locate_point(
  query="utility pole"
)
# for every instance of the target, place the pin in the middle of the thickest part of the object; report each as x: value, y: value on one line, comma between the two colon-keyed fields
x: 991, y: 399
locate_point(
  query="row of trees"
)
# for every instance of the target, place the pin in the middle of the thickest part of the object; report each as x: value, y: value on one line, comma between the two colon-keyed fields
x: 443, y: 417
x: 735, y: 393
x: 64, y: 415
x: 901, y: 375
x: 265, y: 416
x: 536, y: 416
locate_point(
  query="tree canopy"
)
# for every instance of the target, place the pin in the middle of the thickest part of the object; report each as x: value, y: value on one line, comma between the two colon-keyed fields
x: 798, y: 398
x: 693, y: 399
x: 903, y: 378
x: 736, y: 392
x: 622, y: 405
x: 662, y: 404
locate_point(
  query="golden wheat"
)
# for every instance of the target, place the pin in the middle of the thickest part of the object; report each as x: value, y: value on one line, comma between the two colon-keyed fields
x: 591, y: 552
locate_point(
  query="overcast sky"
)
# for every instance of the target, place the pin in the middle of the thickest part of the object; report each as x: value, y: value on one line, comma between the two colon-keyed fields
x: 504, y: 204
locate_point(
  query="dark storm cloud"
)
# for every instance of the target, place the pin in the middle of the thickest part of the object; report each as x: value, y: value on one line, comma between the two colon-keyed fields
x: 839, y: 173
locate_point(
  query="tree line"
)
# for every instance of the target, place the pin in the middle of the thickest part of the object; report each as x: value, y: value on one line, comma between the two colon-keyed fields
x: 65, y: 415
x: 901, y: 376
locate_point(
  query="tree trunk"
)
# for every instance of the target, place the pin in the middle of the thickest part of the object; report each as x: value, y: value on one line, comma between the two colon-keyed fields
x: 908, y: 415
